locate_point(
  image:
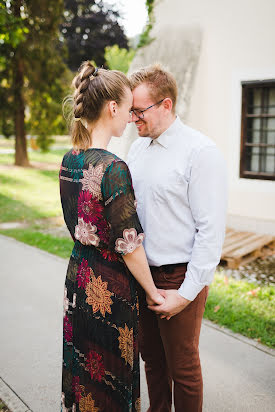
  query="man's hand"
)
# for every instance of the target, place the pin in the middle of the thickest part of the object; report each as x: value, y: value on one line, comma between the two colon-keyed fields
x: 174, y: 303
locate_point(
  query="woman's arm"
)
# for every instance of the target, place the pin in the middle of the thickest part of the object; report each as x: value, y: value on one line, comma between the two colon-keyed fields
x: 138, y: 266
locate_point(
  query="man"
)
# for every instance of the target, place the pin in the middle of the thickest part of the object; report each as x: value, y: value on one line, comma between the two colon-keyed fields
x: 180, y: 184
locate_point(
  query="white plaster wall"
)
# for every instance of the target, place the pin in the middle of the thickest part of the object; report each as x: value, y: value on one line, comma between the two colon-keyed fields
x: 237, y: 45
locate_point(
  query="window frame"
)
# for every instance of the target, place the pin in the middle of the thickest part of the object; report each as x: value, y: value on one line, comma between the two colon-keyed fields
x: 246, y: 85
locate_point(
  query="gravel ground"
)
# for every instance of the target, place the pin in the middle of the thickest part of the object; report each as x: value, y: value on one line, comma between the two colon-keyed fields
x: 260, y: 270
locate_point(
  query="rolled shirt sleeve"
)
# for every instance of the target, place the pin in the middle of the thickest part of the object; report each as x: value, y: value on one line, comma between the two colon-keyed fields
x: 207, y: 194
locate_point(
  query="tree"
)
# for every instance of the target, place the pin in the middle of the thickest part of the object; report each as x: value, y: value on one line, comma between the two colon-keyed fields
x: 12, y: 33
x: 119, y: 59
x: 88, y: 28
x: 33, y: 65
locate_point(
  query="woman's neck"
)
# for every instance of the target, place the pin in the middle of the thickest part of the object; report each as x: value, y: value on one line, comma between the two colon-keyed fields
x: 101, y: 136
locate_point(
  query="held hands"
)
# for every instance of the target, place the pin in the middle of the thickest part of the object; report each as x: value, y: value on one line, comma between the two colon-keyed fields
x: 156, y: 299
x: 172, y: 304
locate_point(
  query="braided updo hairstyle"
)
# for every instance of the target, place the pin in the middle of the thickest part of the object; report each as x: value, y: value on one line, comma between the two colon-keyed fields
x: 93, y: 88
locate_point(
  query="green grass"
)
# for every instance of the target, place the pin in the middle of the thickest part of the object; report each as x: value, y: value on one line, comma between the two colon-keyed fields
x: 3, y: 407
x: 232, y: 304
x: 30, y: 193
x: 59, y: 246
x: 54, y: 156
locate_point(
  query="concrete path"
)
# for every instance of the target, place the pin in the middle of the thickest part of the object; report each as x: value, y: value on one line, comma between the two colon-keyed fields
x: 237, y: 375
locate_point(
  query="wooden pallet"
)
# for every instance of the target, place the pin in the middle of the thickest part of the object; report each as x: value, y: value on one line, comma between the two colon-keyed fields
x: 240, y: 248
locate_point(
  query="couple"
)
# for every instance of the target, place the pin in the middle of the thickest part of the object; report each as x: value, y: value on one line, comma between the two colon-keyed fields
x: 122, y: 297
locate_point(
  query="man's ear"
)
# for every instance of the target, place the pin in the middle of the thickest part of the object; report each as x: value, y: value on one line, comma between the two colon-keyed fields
x: 168, y: 104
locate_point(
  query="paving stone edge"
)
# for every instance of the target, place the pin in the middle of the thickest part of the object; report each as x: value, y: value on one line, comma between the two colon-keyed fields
x: 11, y: 399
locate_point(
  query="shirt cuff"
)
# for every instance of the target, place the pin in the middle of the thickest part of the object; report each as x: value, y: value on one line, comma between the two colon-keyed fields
x: 189, y: 290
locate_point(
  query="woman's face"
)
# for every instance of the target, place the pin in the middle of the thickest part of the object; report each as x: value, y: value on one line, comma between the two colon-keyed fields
x: 122, y: 116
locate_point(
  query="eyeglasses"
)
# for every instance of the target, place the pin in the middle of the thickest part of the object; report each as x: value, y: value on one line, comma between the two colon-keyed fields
x: 140, y: 113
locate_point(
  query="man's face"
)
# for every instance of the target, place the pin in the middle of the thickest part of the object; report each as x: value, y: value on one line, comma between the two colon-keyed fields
x: 150, y: 125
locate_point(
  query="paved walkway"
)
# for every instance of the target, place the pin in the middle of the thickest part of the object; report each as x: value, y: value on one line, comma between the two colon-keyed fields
x: 237, y: 375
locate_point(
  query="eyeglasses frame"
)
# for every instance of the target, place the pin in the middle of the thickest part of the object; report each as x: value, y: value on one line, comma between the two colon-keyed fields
x: 144, y: 110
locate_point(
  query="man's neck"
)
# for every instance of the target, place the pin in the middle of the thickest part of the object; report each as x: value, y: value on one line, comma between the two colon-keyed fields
x: 165, y: 125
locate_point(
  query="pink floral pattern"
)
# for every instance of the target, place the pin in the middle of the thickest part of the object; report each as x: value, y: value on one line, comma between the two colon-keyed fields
x: 83, y: 274
x: 92, y: 180
x: 76, y: 388
x: 95, y: 366
x: 85, y: 233
x: 103, y: 231
x: 89, y: 209
x: 129, y: 242
x: 68, y: 330
x: 109, y: 255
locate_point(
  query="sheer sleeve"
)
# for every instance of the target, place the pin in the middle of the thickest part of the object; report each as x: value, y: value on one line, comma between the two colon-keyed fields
x: 126, y: 233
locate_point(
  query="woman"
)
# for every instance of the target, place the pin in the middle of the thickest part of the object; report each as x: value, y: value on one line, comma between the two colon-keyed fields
x: 100, y: 352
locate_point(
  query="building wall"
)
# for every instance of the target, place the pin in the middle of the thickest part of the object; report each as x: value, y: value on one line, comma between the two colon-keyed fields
x: 237, y: 45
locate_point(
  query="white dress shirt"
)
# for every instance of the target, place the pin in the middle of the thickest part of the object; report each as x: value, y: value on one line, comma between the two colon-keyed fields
x: 181, y: 190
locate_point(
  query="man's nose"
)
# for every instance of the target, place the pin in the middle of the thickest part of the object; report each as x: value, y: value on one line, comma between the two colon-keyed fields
x: 134, y: 117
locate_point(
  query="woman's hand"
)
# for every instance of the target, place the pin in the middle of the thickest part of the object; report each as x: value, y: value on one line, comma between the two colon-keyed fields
x: 155, y: 299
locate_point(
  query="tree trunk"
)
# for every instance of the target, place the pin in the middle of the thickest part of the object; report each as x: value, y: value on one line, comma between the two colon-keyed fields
x: 21, y: 155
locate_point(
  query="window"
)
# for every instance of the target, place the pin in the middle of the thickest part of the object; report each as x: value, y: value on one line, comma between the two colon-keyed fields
x: 258, y: 130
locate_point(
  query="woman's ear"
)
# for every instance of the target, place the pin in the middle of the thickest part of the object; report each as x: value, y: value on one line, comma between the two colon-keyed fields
x: 112, y: 105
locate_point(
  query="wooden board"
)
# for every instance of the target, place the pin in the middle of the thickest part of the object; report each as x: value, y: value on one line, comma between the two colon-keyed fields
x: 240, y: 248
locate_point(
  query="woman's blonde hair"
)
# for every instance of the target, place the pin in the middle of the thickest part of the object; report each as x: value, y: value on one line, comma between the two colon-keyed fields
x: 161, y: 82
x: 93, y: 88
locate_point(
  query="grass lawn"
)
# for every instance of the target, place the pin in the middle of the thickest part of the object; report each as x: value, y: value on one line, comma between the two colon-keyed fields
x: 30, y: 193
x: 56, y: 245
x: 243, y: 307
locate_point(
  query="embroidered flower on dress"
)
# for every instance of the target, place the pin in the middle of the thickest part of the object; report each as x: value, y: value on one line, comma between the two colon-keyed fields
x: 94, y: 364
x: 109, y: 255
x: 83, y: 274
x: 103, y: 231
x: 65, y: 303
x: 126, y: 344
x: 138, y: 405
x: 87, y: 404
x: 98, y: 296
x: 68, y: 330
x: 129, y: 242
x: 89, y: 208
x: 77, y: 389
x: 92, y: 180
x: 85, y: 233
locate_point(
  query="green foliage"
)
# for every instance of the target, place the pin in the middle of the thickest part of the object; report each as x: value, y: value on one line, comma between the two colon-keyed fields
x: 12, y: 30
x: 145, y: 38
x: 243, y: 307
x: 118, y: 59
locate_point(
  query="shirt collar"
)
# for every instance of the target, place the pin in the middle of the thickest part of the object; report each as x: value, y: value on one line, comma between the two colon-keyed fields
x: 165, y: 138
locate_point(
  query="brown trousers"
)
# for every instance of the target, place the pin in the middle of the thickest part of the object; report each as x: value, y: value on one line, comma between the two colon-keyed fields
x: 169, y: 348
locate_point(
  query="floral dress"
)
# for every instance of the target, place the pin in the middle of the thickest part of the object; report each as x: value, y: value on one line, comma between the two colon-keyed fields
x: 100, y: 351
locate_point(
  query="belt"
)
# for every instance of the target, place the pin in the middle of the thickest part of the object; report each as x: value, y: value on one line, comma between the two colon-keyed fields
x: 170, y: 267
